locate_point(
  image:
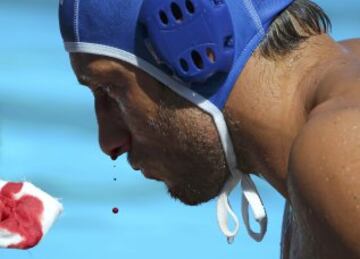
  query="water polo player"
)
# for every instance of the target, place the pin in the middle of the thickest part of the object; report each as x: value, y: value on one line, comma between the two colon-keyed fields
x: 203, y: 93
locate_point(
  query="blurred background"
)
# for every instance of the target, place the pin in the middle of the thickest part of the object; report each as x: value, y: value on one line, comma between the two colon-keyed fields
x: 48, y: 135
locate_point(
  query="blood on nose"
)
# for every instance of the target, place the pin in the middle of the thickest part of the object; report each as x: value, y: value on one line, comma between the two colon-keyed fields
x: 118, y: 151
x: 115, y: 153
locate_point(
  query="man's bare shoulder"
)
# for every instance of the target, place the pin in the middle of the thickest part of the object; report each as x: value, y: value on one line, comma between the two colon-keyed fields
x: 353, y: 45
x: 340, y: 86
x: 324, y: 182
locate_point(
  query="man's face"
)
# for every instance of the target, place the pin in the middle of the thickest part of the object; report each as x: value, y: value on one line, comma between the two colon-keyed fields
x: 166, y: 137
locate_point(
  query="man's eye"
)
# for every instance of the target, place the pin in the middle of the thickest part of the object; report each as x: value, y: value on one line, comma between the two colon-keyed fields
x: 113, y: 91
x: 99, y: 89
x: 108, y: 90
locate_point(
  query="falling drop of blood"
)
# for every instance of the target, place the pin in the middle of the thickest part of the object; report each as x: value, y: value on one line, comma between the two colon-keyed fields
x: 115, y: 210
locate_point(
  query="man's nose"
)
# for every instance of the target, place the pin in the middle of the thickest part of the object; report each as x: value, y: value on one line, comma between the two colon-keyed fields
x: 114, y: 138
x: 113, y: 144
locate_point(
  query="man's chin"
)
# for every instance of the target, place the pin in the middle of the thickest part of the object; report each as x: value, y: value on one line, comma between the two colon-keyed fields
x: 191, y: 197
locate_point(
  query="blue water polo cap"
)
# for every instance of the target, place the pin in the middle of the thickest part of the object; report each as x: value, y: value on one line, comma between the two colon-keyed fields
x: 202, y: 44
x: 194, y: 38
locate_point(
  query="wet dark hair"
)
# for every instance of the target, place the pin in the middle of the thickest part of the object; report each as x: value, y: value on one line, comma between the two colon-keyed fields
x: 301, y: 20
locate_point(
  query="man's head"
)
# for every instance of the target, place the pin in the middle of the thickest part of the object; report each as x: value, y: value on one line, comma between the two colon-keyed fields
x: 166, y: 136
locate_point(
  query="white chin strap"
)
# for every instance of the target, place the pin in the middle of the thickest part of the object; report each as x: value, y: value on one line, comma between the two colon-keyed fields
x: 250, y: 196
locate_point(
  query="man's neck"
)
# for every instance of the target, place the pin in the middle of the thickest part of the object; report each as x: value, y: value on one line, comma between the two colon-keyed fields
x: 271, y: 102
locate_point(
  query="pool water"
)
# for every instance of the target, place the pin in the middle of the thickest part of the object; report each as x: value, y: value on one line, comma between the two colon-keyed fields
x: 48, y: 135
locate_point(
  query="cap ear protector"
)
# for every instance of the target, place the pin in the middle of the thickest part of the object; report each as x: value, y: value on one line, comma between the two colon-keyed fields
x: 194, y: 38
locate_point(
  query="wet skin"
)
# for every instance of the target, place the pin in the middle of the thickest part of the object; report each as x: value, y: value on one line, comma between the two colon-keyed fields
x: 296, y: 120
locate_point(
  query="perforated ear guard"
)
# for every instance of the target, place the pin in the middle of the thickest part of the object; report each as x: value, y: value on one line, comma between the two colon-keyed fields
x: 194, y: 38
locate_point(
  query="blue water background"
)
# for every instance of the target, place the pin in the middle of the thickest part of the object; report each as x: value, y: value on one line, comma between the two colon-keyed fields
x: 48, y: 135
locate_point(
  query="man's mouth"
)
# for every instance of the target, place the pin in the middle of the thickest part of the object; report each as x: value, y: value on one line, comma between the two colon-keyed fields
x: 136, y: 166
x: 150, y: 176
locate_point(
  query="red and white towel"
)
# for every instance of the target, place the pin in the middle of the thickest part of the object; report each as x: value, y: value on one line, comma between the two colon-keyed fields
x: 26, y: 214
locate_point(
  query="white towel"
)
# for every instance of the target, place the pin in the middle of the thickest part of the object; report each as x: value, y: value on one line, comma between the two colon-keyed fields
x: 26, y: 214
